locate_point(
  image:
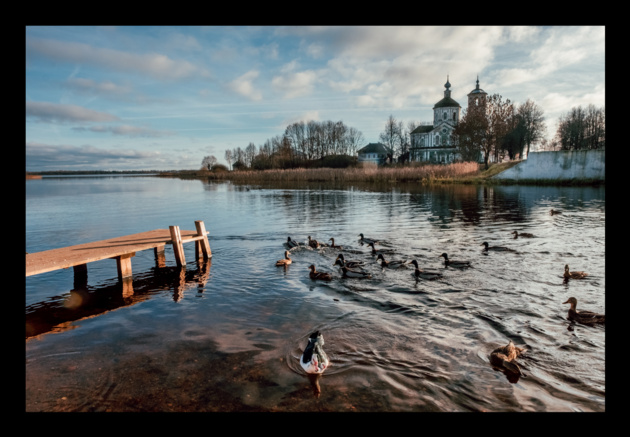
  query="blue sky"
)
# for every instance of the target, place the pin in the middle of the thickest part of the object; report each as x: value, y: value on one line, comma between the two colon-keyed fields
x: 162, y: 98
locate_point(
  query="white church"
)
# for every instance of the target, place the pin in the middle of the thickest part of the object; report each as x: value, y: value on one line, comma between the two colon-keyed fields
x: 434, y: 143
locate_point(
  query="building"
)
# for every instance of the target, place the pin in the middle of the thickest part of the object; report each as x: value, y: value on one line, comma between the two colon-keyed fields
x: 373, y: 152
x: 434, y: 143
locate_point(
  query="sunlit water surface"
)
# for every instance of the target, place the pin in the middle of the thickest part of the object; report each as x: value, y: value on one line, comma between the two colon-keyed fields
x: 226, y: 335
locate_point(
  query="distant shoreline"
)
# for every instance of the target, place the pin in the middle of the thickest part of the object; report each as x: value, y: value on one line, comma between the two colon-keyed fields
x: 456, y: 173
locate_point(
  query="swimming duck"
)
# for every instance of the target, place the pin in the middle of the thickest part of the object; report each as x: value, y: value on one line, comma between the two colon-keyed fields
x: 319, y: 275
x: 505, y: 357
x: 350, y: 264
x: 380, y: 251
x: 488, y: 247
x: 586, y: 317
x: 573, y: 275
x: 522, y: 234
x: 292, y: 243
x: 354, y: 273
x: 364, y: 240
x: 390, y: 264
x: 423, y: 273
x: 554, y: 212
x: 313, y: 243
x: 314, y: 359
x: 454, y: 263
x: 333, y: 245
x: 286, y: 261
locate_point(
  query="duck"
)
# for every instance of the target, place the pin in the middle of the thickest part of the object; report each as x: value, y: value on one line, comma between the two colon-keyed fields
x: 585, y: 317
x: 554, y: 212
x: 284, y: 262
x: 333, y: 245
x: 522, y: 234
x: 390, y: 264
x: 504, y: 357
x: 350, y: 273
x: 292, y: 243
x: 314, y: 359
x: 364, y: 240
x: 313, y: 243
x: 501, y: 248
x: 323, y: 276
x: 573, y: 275
x: 423, y: 273
x: 380, y: 251
x: 454, y: 263
x: 350, y: 264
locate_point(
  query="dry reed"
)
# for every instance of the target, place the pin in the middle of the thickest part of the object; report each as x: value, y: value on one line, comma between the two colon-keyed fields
x: 414, y: 173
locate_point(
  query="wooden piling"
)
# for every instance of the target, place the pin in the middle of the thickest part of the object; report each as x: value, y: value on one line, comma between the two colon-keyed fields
x: 178, y: 247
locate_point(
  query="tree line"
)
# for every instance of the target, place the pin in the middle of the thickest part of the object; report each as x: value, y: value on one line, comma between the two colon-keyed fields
x: 301, y: 143
x: 494, y: 131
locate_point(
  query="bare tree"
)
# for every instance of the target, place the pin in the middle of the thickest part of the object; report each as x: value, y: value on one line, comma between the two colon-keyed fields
x: 208, y: 162
x: 533, y: 123
x: 390, y: 137
x: 229, y: 158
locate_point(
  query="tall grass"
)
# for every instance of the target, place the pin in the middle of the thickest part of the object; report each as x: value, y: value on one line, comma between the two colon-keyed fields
x: 367, y: 173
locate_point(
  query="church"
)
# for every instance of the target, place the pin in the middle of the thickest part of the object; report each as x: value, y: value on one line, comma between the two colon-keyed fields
x: 434, y: 143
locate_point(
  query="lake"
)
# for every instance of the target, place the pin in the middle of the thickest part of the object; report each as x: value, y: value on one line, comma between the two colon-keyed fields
x: 227, y: 334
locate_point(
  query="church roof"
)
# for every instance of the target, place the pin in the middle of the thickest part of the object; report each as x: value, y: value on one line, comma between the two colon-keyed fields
x: 422, y: 129
x: 374, y: 148
x: 477, y: 90
x: 446, y: 102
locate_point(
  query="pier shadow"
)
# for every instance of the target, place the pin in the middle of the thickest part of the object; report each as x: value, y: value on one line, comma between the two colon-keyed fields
x: 58, y: 313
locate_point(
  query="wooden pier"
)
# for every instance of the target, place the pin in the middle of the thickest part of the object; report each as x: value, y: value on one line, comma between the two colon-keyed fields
x: 122, y: 249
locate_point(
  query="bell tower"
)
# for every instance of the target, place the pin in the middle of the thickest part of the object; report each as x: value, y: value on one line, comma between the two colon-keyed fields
x: 477, y: 98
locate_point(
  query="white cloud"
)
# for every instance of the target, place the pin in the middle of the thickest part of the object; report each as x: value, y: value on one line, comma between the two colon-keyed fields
x: 127, y: 130
x: 244, y: 85
x: 52, y: 112
x: 155, y: 65
x: 295, y: 84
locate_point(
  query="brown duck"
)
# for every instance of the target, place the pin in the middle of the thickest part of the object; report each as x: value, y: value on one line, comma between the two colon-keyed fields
x: 322, y: 276
x: 573, y: 275
x: 504, y: 357
x: 585, y: 317
x: 286, y: 261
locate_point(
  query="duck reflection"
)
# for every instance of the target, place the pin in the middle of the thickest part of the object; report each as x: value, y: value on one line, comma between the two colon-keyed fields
x: 314, y: 380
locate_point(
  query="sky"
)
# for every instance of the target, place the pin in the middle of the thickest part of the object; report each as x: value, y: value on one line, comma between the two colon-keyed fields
x: 165, y: 97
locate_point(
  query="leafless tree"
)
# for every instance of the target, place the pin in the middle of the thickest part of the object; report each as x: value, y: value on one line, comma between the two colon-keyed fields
x: 208, y: 162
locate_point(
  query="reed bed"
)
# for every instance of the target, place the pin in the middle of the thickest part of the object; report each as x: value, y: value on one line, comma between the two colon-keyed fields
x: 416, y: 173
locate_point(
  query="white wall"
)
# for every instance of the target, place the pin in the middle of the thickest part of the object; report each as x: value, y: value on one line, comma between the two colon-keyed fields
x: 562, y: 165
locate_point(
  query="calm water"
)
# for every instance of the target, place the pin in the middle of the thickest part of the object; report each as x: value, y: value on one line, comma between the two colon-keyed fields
x: 227, y: 335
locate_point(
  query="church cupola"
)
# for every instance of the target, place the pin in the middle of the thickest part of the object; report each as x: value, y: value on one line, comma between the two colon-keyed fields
x: 447, y: 109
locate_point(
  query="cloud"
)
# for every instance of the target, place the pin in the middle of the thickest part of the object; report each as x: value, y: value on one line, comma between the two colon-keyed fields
x: 295, y: 84
x: 91, y: 87
x: 43, y: 157
x: 127, y: 130
x: 58, y: 113
x: 156, y: 65
x: 244, y: 85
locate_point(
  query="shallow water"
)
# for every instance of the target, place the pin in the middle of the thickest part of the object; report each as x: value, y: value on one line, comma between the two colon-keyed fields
x: 226, y: 335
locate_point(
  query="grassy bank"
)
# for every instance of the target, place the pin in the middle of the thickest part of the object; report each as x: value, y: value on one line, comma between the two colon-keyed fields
x: 370, y: 173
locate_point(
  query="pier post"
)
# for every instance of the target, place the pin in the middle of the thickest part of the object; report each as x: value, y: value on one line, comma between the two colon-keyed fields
x: 178, y: 247
x: 202, y: 246
x: 124, y: 265
x: 160, y: 258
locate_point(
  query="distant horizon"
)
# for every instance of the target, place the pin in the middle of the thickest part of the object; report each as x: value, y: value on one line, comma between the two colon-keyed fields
x: 161, y: 98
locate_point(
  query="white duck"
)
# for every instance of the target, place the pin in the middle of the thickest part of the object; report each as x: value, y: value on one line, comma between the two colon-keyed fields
x: 314, y: 359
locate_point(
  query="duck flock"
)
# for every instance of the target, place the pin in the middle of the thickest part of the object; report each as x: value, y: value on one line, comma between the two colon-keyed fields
x: 314, y: 360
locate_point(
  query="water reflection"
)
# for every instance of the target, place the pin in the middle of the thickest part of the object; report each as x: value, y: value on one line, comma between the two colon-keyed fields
x: 58, y: 313
x: 395, y: 343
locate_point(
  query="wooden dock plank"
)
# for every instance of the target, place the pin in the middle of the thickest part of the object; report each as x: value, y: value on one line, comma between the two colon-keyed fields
x: 80, y: 254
